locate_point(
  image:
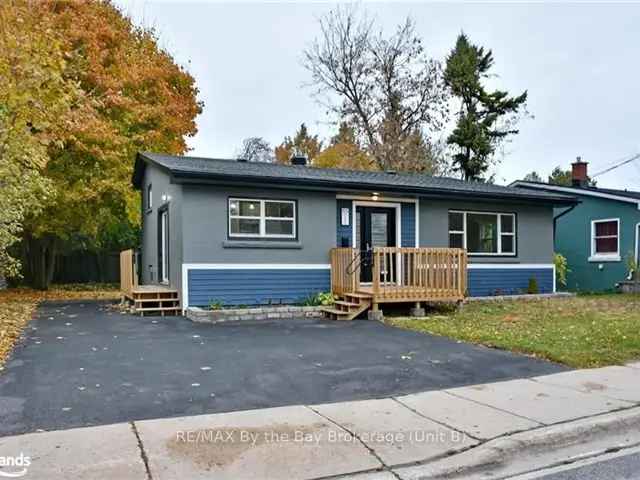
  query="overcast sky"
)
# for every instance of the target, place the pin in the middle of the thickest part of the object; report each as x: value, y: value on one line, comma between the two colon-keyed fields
x: 579, y: 62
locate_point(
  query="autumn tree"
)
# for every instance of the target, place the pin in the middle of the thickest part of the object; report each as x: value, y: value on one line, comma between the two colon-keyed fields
x: 133, y: 97
x: 38, y: 101
x: 302, y: 142
x: 485, y: 118
x: 256, y: 149
x: 386, y: 86
x: 345, y: 152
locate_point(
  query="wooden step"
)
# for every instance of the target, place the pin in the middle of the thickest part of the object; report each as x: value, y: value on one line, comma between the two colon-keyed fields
x: 151, y: 300
x: 367, y: 296
x: 346, y: 304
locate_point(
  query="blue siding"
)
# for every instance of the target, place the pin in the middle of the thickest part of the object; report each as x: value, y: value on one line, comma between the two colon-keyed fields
x: 408, y: 223
x: 507, y: 281
x: 255, y: 287
x: 344, y: 231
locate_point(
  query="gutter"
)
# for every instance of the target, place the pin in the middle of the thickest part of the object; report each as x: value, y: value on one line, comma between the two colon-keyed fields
x: 190, y: 177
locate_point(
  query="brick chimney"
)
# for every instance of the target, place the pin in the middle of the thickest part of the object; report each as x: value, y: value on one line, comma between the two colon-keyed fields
x: 579, y: 176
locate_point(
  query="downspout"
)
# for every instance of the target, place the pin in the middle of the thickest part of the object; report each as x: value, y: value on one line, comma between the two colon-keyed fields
x: 555, y: 220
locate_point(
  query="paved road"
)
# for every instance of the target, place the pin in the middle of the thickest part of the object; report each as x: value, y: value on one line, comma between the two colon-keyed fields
x: 83, y: 364
x: 620, y: 466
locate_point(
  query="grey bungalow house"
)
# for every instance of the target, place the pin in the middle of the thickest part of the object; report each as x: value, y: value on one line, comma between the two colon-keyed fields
x: 239, y: 233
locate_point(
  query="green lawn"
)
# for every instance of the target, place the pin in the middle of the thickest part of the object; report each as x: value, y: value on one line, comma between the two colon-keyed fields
x: 583, y: 331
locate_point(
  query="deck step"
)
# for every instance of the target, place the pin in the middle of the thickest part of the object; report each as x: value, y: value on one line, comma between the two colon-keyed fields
x: 333, y: 311
x: 346, y: 304
x: 157, y: 309
x: 155, y: 300
x: 367, y: 296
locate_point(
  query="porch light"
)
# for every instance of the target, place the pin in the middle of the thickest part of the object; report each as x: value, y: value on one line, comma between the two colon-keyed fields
x: 374, y: 196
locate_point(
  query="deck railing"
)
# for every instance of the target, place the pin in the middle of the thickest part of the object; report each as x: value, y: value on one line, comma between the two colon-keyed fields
x: 345, y: 270
x: 402, y: 274
x: 128, y: 274
x: 415, y: 274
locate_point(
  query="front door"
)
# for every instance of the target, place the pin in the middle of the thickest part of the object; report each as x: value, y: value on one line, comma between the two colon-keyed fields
x: 375, y: 227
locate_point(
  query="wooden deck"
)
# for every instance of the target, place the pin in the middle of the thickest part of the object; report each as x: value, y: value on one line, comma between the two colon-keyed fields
x: 145, y: 299
x: 397, y: 275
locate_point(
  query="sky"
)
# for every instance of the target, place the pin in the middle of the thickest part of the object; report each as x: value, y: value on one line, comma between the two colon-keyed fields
x: 578, y: 62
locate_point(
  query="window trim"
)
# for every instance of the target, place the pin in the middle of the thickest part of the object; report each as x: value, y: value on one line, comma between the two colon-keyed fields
x: 262, y: 218
x: 149, y: 198
x: 499, y: 233
x: 604, y: 257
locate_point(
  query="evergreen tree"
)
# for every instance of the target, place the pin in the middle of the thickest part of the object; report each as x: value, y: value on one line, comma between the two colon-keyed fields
x: 485, y: 118
x: 302, y: 142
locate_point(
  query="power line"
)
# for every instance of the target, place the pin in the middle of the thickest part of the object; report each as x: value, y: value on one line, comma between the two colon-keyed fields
x: 606, y: 170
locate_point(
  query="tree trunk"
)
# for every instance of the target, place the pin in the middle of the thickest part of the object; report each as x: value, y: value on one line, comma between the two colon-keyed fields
x: 40, y: 261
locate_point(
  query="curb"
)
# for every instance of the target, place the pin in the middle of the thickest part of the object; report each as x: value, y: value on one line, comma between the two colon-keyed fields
x: 532, y: 450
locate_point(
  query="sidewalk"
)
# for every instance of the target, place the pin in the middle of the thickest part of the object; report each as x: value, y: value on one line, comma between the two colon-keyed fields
x: 503, y: 428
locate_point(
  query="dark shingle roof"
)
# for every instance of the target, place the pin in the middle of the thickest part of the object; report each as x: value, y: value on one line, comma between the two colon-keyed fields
x: 208, y: 168
x: 574, y: 190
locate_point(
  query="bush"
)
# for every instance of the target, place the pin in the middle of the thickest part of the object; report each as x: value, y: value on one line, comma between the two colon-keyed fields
x: 562, y: 268
x: 532, y: 289
x: 319, y: 299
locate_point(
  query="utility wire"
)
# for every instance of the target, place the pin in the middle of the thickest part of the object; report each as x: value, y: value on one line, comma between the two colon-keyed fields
x: 628, y: 160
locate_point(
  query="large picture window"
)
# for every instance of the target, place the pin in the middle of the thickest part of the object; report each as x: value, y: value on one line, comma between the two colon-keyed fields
x: 257, y: 218
x: 605, y: 239
x: 483, y: 233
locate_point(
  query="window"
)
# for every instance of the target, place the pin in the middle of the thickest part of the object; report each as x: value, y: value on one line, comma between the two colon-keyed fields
x: 262, y: 218
x: 483, y: 233
x: 605, y: 240
x: 149, y: 199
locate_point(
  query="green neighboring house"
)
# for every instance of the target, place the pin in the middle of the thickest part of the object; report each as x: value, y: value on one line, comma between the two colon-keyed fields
x: 598, y: 235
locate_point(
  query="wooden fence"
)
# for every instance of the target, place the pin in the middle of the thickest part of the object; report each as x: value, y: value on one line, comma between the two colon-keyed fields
x: 128, y: 273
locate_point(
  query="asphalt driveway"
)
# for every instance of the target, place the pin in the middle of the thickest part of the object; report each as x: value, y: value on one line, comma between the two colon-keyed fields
x: 82, y: 363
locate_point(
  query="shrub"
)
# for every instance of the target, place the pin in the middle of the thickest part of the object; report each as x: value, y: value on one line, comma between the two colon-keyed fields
x: 215, y: 304
x: 533, y: 286
x: 562, y: 268
x: 322, y: 298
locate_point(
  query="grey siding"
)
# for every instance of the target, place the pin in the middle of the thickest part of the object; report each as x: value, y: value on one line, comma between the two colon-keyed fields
x: 534, y: 229
x: 161, y: 185
x: 205, y: 227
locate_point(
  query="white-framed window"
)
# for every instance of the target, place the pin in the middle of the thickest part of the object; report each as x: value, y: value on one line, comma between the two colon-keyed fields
x: 483, y: 233
x: 605, y: 240
x: 262, y: 218
x: 149, y: 199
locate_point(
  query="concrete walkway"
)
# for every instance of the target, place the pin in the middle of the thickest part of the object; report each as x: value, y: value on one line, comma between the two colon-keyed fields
x: 491, y: 430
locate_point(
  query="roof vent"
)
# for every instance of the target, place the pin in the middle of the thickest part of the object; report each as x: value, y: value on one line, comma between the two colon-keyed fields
x: 242, y: 160
x: 299, y: 159
x: 391, y: 172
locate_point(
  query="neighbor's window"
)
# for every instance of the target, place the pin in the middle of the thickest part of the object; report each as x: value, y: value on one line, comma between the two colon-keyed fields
x: 149, y: 197
x: 605, y: 238
x: 262, y: 218
x: 483, y: 233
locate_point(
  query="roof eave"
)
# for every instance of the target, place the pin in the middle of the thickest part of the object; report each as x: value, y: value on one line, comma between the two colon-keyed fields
x: 181, y: 175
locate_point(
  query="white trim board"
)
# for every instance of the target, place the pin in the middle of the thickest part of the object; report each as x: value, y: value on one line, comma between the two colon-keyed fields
x: 577, y: 191
x: 256, y: 266
x: 488, y: 266
x: 380, y: 198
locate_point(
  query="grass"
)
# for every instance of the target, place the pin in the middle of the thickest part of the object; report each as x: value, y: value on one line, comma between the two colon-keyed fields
x: 17, y: 306
x: 583, y: 331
